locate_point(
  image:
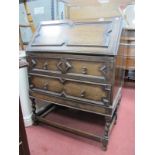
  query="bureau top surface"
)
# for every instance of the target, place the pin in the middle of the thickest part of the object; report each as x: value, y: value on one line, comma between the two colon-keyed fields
x: 78, y: 37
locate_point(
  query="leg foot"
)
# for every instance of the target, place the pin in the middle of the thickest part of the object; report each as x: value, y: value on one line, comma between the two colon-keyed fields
x: 106, y: 133
x: 104, y: 143
x: 115, y: 119
x: 115, y: 114
x: 35, y: 122
x: 109, y: 121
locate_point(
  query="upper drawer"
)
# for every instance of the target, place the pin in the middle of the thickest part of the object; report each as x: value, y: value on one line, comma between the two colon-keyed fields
x: 90, y: 67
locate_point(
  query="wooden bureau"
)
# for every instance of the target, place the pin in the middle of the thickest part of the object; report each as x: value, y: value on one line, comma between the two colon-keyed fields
x: 75, y: 64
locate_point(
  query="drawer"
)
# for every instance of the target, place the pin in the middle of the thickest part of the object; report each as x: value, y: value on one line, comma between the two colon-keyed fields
x: 89, y: 67
x: 69, y: 88
x: 45, y: 97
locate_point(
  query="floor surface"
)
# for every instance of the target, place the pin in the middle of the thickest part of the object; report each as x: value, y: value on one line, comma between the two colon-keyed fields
x: 45, y: 140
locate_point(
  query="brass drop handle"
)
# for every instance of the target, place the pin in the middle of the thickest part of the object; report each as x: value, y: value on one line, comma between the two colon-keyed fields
x: 83, y: 93
x: 45, y: 86
x: 45, y: 66
x: 84, y: 70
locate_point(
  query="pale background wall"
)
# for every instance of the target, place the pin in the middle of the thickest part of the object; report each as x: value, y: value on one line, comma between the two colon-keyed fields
x: 40, y: 10
x: 23, y: 93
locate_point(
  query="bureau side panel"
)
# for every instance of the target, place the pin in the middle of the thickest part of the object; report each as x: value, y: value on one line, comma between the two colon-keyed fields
x: 119, y: 70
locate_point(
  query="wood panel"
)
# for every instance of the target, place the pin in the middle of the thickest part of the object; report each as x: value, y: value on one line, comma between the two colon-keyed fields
x: 80, y: 35
x: 53, y: 85
x: 85, y: 91
x: 82, y: 66
x: 55, y: 36
x: 71, y: 88
x: 40, y: 63
x: 74, y: 36
x: 77, y: 105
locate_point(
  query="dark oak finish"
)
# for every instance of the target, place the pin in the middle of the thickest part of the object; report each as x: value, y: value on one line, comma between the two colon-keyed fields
x: 77, y: 65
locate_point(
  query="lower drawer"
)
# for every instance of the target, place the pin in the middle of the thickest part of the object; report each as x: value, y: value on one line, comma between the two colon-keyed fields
x: 74, y: 89
x: 98, y: 109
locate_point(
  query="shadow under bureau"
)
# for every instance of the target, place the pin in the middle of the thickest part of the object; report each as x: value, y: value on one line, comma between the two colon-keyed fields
x: 74, y: 64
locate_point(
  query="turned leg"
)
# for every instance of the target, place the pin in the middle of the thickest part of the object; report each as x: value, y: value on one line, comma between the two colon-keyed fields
x: 115, y: 118
x: 34, y: 111
x: 115, y: 115
x: 116, y: 111
x: 106, y: 133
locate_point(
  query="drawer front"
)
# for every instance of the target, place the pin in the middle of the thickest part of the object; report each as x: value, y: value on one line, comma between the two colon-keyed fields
x: 73, y: 89
x: 71, y: 103
x: 73, y: 65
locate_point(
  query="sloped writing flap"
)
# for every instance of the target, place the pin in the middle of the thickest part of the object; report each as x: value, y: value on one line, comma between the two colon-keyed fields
x: 92, y: 34
x: 51, y: 35
x: 95, y: 36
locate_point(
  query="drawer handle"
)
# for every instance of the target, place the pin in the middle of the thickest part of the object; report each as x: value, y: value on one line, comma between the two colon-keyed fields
x: 84, y: 70
x: 33, y: 63
x: 68, y: 66
x: 45, y: 66
x: 45, y: 86
x: 107, y: 87
x: 31, y: 86
x: 63, y: 94
x: 105, y: 101
x: 62, y: 80
x: 83, y: 93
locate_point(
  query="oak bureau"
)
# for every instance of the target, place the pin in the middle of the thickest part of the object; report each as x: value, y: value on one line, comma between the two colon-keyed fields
x: 74, y: 64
